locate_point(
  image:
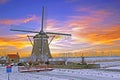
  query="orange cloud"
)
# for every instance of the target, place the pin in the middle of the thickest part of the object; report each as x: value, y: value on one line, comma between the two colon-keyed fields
x: 18, y: 42
x: 101, y: 35
x: 86, y: 28
x: 17, y: 21
x: 80, y: 24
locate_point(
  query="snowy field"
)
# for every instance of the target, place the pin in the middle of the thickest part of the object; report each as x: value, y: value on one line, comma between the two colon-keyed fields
x: 62, y: 74
x: 116, y: 68
x: 87, y: 59
x: 108, y: 64
x: 103, y: 61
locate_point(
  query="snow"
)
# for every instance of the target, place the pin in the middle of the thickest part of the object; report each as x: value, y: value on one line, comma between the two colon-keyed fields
x: 91, y: 74
x: 115, y: 68
x: 109, y: 64
x: 61, y: 74
x: 15, y: 75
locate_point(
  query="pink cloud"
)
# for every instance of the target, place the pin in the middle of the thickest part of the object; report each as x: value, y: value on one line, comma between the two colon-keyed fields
x: 86, y: 9
x: 82, y: 21
x: 101, y: 13
x: 17, y: 21
x: 3, y: 1
x: 93, y: 12
x: 55, y: 26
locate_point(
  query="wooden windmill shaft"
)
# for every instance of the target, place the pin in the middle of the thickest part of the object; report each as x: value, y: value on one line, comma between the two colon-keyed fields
x: 41, y: 51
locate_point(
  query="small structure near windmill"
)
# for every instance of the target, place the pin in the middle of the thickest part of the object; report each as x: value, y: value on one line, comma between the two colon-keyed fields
x: 13, y: 58
x: 83, y: 59
x: 3, y: 60
x: 41, y: 50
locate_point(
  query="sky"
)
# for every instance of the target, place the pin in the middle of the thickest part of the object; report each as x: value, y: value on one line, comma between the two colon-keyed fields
x: 94, y: 25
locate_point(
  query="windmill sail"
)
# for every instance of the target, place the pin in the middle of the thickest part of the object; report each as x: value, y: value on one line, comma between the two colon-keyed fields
x: 42, y: 24
x: 24, y: 31
x: 58, y: 33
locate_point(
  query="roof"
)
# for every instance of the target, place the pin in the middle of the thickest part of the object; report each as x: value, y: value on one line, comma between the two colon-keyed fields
x: 13, y: 55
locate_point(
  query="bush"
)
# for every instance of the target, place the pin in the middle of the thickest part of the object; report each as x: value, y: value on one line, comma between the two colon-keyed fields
x: 21, y: 64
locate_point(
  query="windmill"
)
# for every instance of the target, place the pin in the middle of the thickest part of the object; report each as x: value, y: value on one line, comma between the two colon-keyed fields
x: 41, y: 50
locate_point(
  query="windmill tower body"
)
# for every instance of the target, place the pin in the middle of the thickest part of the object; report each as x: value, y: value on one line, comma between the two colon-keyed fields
x: 41, y: 51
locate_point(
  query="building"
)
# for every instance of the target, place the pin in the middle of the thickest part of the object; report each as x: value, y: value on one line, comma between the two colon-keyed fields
x: 13, y: 58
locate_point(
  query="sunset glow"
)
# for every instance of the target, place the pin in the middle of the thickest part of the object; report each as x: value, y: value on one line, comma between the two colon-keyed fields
x: 94, y: 25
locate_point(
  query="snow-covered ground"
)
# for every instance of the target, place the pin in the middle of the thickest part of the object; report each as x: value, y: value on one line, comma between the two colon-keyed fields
x: 116, y: 68
x: 15, y: 75
x: 109, y: 64
x: 61, y: 74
